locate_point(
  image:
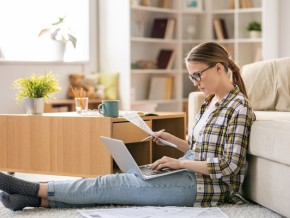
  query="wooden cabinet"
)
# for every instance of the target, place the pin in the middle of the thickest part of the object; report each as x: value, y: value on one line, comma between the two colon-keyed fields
x: 69, y: 144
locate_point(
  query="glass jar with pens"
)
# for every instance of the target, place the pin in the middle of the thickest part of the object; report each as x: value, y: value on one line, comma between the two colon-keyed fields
x: 81, y: 100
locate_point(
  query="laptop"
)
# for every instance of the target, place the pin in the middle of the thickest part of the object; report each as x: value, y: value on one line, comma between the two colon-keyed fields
x: 127, y: 164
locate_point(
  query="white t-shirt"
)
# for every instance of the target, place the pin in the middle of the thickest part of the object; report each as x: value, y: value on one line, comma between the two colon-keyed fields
x: 202, y: 121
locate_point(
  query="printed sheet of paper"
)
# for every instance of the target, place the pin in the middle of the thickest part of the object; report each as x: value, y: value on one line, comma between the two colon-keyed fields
x: 154, y: 212
x: 134, y: 118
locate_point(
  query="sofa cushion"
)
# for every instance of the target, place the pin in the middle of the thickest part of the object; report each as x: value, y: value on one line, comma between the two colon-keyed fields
x: 270, y: 138
x: 109, y: 81
x: 268, y: 84
x: 273, y: 116
x: 283, y: 84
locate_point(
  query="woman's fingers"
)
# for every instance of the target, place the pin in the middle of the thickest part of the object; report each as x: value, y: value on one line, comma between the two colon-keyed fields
x: 163, y: 163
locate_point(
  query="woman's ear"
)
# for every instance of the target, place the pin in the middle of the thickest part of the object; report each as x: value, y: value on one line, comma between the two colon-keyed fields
x: 219, y: 67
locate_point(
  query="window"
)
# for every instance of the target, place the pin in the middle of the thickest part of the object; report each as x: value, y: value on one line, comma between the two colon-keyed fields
x: 21, y: 21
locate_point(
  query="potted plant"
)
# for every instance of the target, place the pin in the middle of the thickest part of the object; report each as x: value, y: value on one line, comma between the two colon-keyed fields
x: 59, y: 34
x: 36, y: 89
x: 255, y: 29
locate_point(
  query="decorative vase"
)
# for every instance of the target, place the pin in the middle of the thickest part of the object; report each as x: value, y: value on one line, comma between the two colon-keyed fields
x: 51, y: 50
x: 56, y: 49
x: 255, y: 34
x: 34, y: 106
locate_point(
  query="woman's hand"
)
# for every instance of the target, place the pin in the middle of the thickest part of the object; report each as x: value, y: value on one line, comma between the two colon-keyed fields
x: 163, y: 135
x: 196, y: 166
x: 180, y: 144
x: 166, y: 162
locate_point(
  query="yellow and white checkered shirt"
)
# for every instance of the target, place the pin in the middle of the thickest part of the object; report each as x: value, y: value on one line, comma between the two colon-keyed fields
x: 223, y: 143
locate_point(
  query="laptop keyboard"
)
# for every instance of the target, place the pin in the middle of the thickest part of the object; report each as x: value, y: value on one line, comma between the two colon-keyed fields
x: 147, y: 171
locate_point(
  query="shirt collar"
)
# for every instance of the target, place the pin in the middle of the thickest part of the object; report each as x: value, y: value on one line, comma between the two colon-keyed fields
x: 232, y: 94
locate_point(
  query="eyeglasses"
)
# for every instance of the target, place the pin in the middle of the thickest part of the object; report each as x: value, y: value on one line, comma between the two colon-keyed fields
x: 196, y: 77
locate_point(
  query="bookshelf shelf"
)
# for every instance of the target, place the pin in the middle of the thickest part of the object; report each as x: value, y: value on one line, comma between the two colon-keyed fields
x: 190, y: 41
x: 195, y: 13
x: 249, y: 10
x: 249, y: 40
x: 153, y: 71
x: 154, y: 9
x: 129, y: 40
x: 227, y: 11
x: 152, y: 40
x: 226, y: 41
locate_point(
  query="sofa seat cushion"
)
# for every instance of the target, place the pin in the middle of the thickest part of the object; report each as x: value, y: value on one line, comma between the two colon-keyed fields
x: 273, y: 115
x: 270, y: 138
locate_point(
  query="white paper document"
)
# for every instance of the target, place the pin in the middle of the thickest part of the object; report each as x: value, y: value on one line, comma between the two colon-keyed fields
x: 134, y: 118
x: 154, y: 212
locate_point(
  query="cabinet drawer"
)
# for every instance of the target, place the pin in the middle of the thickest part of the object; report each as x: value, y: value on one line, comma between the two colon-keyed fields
x: 128, y: 132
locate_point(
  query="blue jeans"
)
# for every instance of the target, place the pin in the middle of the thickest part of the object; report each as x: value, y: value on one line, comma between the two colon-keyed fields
x: 177, y: 189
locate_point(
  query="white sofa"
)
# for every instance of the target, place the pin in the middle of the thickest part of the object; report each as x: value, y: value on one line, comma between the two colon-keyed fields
x: 268, y: 178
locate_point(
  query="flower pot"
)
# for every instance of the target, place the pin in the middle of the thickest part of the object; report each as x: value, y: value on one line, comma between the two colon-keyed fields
x: 51, y: 50
x: 55, y: 50
x: 34, y: 106
x: 255, y: 34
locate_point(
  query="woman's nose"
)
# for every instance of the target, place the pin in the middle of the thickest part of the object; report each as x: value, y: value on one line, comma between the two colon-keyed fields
x: 195, y: 83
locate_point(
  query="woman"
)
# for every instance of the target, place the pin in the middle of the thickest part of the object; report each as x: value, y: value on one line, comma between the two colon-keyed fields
x: 215, y: 154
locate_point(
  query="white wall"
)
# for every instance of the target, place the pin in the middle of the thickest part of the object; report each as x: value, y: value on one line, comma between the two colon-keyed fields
x: 284, y: 30
x: 115, y: 37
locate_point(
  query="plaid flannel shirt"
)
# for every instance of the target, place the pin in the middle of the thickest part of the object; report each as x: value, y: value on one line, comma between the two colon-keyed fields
x: 223, y: 143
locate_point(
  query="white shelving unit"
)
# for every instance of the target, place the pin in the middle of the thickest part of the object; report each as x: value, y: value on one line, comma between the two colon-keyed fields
x: 125, y: 38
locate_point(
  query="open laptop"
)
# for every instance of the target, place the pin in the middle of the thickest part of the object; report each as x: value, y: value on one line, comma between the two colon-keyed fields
x: 127, y: 164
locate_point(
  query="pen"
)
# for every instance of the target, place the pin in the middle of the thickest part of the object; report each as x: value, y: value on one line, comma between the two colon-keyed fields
x: 148, y: 137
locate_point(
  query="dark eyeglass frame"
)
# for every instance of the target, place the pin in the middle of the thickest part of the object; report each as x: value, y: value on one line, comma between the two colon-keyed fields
x: 196, y: 76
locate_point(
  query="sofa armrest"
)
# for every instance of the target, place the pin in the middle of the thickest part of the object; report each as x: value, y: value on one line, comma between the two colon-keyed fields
x: 195, y: 100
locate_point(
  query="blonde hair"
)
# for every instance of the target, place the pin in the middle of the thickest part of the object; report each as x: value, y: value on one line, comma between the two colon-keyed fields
x: 211, y: 52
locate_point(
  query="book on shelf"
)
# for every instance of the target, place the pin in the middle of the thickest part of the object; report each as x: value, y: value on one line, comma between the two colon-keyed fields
x: 159, y: 28
x: 170, y: 28
x: 224, y: 28
x: 165, y: 3
x: 169, y: 87
x: 243, y: 4
x: 165, y: 59
x: 246, y: 3
x: 161, y: 88
x: 163, y: 28
x: 232, y: 4
x: 259, y: 54
x: 217, y: 27
x: 220, y: 29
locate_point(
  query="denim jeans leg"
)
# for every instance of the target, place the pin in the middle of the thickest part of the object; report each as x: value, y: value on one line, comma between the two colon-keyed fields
x: 177, y: 189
